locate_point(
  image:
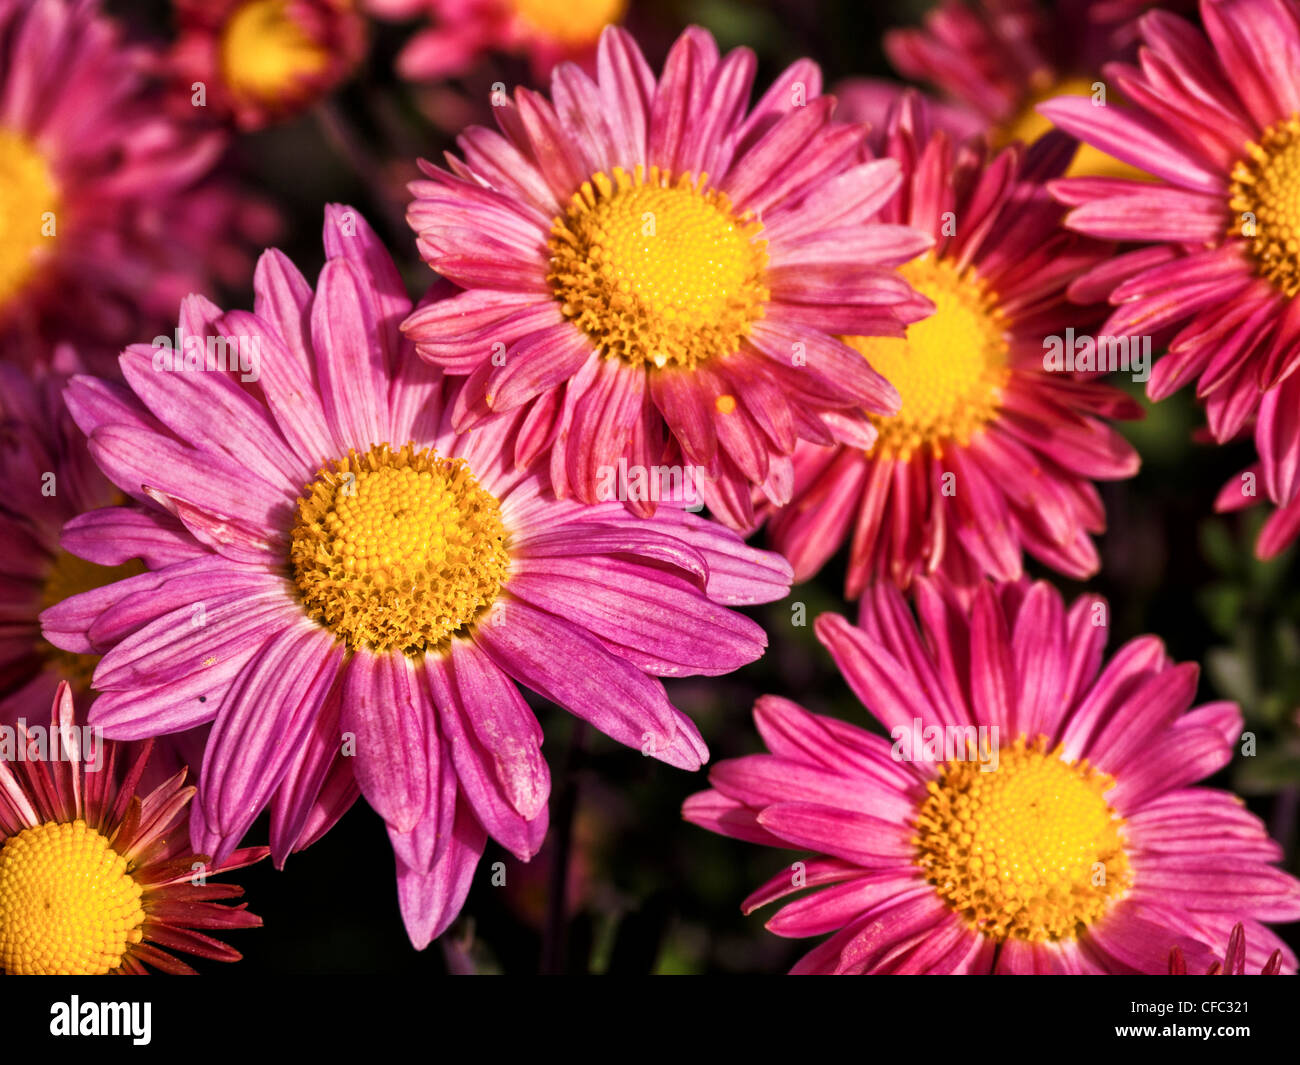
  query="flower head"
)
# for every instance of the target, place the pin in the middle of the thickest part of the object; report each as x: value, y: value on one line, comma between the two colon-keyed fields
x: 1032, y: 813
x: 462, y: 32
x: 260, y: 61
x: 47, y: 477
x: 655, y: 269
x: 354, y: 588
x: 994, y: 450
x: 996, y: 59
x: 96, y: 877
x: 99, y: 192
x: 1212, y: 116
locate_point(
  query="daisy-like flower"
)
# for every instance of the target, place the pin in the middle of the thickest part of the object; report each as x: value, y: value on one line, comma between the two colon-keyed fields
x: 94, y: 184
x: 994, y: 450
x: 996, y: 59
x: 462, y: 32
x: 356, y: 587
x: 1218, y: 271
x: 95, y: 877
x: 1031, y: 812
x: 655, y: 273
x: 1234, y: 961
x: 47, y: 478
x: 261, y: 61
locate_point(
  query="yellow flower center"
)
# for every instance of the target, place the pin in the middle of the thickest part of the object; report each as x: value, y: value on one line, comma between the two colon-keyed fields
x: 398, y: 549
x: 575, y: 23
x: 658, y: 272
x: 27, y: 192
x: 1028, y: 125
x: 68, y: 576
x: 1029, y: 851
x: 68, y: 903
x: 950, y: 368
x: 1265, y: 200
x: 264, y: 52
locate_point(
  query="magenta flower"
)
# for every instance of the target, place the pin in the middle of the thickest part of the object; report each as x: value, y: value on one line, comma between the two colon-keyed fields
x: 1217, y: 270
x: 95, y: 874
x: 654, y: 269
x: 47, y: 477
x: 1031, y: 812
x: 994, y: 60
x: 462, y: 32
x: 993, y: 453
x: 262, y: 61
x: 349, y: 590
x: 100, y: 190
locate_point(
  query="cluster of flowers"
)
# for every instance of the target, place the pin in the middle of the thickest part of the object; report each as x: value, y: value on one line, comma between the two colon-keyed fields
x: 326, y: 572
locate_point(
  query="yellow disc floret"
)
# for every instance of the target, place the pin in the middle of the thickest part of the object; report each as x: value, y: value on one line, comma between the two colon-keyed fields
x: 658, y: 272
x: 68, y: 903
x: 27, y: 193
x: 1030, y: 851
x: 265, y: 53
x: 950, y: 368
x: 1265, y: 201
x: 1027, y: 125
x: 398, y: 549
x: 574, y: 23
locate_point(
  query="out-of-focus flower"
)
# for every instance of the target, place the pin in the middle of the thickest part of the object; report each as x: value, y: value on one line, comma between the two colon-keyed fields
x: 340, y: 642
x: 1234, y: 961
x: 463, y: 31
x: 47, y: 478
x: 1031, y: 812
x: 656, y: 273
x: 260, y: 61
x: 1214, y: 119
x: 97, y: 187
x: 994, y: 451
x: 96, y: 877
x: 873, y: 100
x: 997, y: 59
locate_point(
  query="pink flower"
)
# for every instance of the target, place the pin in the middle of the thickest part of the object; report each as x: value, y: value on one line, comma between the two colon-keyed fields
x: 994, y: 60
x: 1217, y: 271
x: 464, y: 31
x: 349, y: 590
x: 993, y: 453
x: 95, y: 874
x: 47, y: 477
x: 655, y: 273
x: 262, y: 61
x: 99, y: 188
x: 1032, y: 813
